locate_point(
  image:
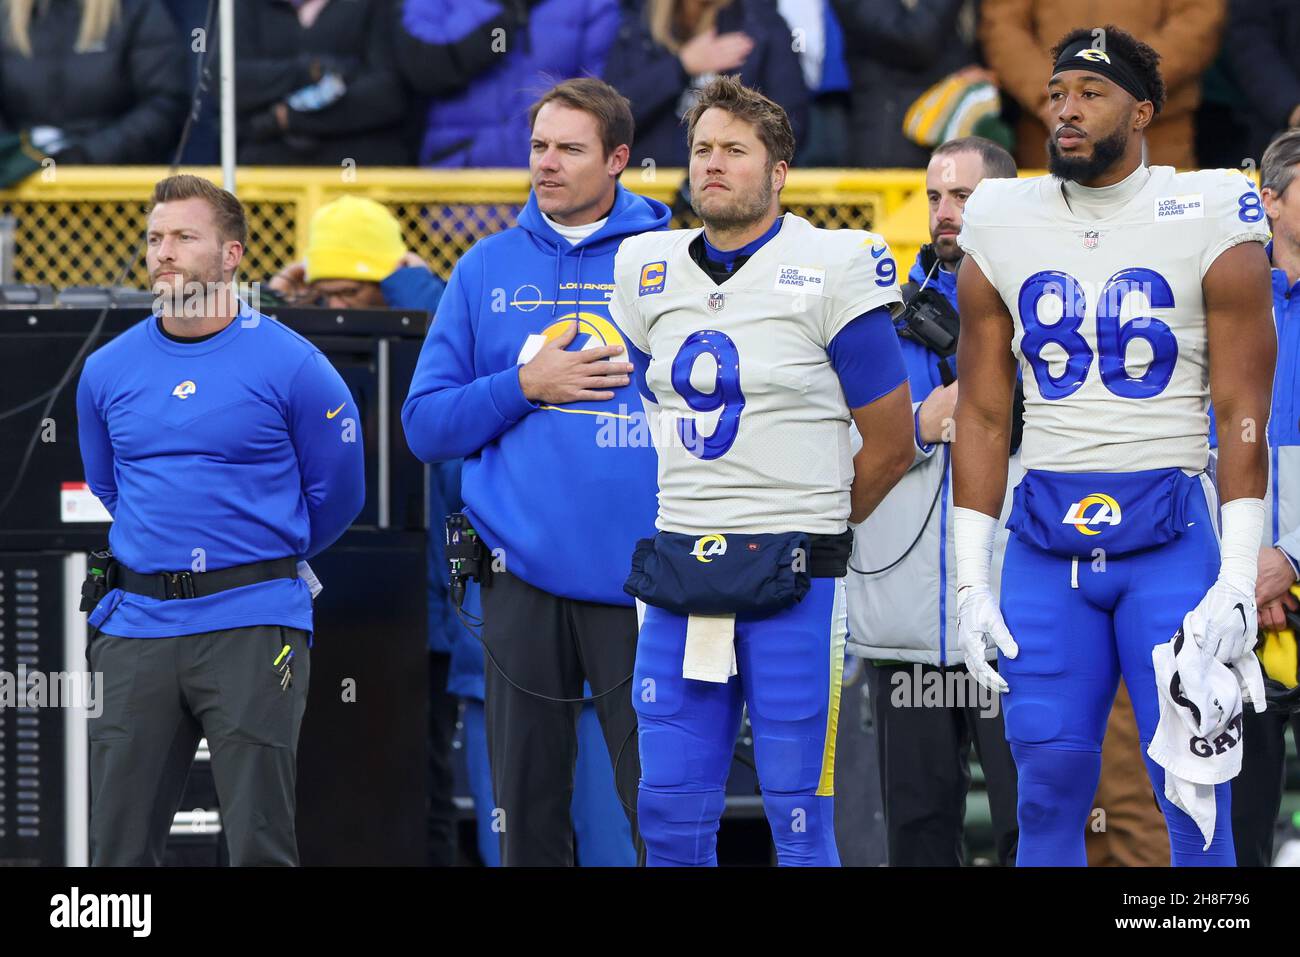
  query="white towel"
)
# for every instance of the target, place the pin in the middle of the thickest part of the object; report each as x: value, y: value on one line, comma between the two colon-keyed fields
x: 710, y: 648
x: 1198, y: 739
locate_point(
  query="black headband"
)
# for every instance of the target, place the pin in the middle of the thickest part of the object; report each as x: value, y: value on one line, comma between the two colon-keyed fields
x: 1082, y: 55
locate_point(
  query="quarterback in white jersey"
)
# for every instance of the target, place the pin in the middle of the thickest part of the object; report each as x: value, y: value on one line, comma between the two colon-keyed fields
x: 765, y: 332
x: 1129, y: 296
x: 757, y: 341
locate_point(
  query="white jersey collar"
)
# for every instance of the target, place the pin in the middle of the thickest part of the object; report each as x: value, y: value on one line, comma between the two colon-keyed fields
x: 1100, y: 202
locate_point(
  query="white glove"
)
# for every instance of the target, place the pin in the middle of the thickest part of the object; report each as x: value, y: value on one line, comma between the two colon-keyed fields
x: 980, y: 627
x: 1228, y: 608
x: 1231, y: 621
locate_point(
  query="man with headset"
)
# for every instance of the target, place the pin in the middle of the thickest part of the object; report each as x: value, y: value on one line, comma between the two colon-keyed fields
x: 901, y: 590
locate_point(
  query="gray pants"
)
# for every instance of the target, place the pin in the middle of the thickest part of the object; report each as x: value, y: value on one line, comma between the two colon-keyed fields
x: 161, y: 695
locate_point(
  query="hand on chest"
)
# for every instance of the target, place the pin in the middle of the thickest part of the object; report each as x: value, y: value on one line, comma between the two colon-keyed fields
x: 528, y: 319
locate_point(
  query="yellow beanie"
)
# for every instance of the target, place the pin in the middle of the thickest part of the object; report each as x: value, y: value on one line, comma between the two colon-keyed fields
x: 353, y: 238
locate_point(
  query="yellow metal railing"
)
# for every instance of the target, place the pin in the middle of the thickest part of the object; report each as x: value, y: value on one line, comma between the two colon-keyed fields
x: 80, y: 225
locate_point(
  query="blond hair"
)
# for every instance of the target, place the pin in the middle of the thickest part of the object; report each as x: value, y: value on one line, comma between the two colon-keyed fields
x: 666, y: 25
x: 97, y: 18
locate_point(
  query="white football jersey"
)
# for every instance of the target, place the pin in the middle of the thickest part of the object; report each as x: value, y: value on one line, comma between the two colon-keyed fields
x: 752, y: 426
x: 1109, y: 315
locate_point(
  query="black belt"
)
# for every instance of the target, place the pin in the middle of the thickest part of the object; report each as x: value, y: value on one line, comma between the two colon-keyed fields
x: 830, y: 554
x: 167, y: 585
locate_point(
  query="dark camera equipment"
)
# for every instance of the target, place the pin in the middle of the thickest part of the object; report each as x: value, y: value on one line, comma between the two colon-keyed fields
x: 466, y: 556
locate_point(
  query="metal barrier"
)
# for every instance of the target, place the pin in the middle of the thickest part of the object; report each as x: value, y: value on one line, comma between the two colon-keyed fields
x: 78, y: 225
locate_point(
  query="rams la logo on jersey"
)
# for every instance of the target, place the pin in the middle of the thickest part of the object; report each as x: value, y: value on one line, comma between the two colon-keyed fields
x: 593, y: 331
x: 653, y: 277
x: 1093, y: 54
x: 185, y: 389
x: 1107, y: 513
x: 709, y: 547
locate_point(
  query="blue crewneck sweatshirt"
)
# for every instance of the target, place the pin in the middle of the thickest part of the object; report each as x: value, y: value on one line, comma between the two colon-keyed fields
x: 560, y: 493
x: 240, y: 448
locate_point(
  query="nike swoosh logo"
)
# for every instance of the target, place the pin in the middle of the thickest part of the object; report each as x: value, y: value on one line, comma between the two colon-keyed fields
x: 330, y: 415
x: 877, y: 253
x: 1238, y: 607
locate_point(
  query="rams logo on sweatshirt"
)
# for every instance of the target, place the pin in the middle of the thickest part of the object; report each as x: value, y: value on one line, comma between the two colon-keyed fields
x: 593, y: 331
x: 185, y: 389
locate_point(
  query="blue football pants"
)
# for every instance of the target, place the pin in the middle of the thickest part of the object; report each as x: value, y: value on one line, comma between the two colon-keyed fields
x: 1081, y: 623
x: 789, y: 670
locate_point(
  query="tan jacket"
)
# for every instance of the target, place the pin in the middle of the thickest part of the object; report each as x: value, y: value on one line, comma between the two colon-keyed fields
x: 1016, y: 35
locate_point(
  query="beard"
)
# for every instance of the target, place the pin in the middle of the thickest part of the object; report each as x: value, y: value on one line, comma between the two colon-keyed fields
x: 948, y: 252
x: 946, y: 248
x: 1077, y: 169
x: 737, y: 214
x: 186, y: 293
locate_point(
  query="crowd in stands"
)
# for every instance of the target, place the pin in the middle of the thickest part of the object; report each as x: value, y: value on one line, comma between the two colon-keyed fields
x: 446, y: 83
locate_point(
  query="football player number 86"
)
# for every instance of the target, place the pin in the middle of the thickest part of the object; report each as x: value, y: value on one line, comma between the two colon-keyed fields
x: 724, y: 395
x: 1113, y: 336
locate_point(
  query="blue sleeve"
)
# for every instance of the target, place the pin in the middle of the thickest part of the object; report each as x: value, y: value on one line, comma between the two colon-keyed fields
x: 640, y: 365
x: 450, y: 412
x: 413, y: 287
x: 96, y: 447
x: 331, y: 458
x: 444, y: 22
x: 866, y: 356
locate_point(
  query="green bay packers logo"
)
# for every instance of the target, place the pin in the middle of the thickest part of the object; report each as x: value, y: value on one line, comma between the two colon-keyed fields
x: 185, y: 389
x: 1107, y: 513
x: 709, y: 547
x: 593, y: 331
x: 1093, y: 54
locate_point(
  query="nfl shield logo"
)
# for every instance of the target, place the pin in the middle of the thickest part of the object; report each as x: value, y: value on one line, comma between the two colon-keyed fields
x: 1090, y: 237
x: 716, y: 301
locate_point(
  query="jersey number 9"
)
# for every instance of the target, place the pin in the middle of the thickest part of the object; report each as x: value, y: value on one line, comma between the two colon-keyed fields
x: 725, y: 395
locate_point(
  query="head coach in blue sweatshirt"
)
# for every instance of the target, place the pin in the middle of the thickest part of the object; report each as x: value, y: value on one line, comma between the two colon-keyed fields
x: 524, y: 376
x: 227, y: 450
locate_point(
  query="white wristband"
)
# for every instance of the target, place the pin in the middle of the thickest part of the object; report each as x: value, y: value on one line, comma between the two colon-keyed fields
x: 1239, y: 545
x: 973, y: 536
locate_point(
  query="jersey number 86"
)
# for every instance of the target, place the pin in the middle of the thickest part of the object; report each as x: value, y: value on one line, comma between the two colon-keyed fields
x: 1113, y: 337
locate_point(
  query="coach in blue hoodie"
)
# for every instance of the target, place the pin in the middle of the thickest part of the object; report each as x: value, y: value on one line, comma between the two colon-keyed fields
x: 525, y: 377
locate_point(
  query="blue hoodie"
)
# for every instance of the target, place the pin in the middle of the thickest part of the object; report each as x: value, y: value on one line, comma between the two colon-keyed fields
x: 562, y: 491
